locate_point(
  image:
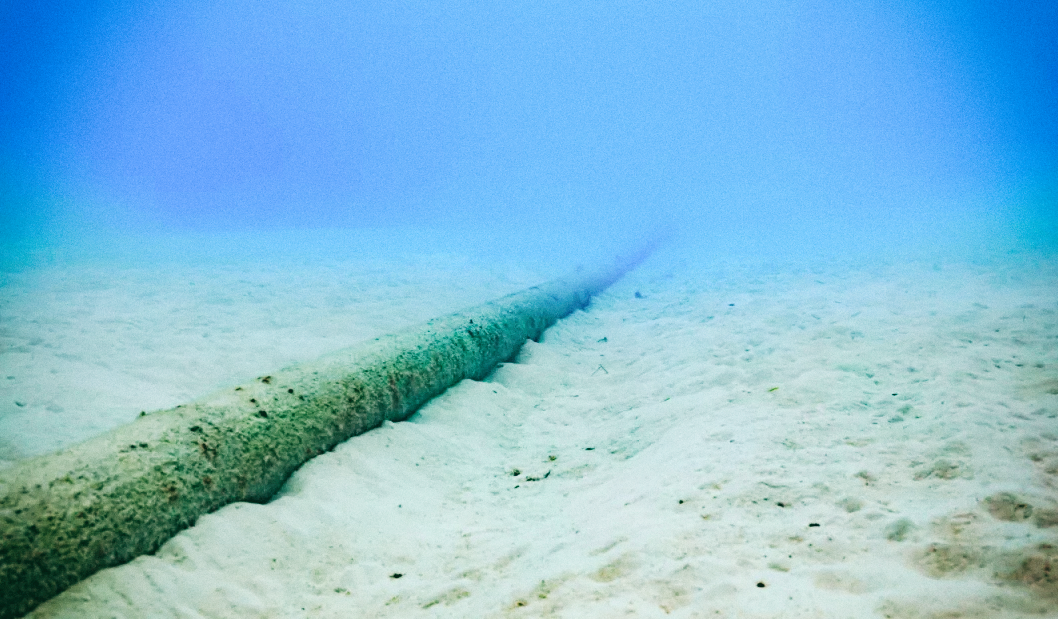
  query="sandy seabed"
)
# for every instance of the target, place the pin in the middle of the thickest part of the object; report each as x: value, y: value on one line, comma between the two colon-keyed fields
x: 712, y: 440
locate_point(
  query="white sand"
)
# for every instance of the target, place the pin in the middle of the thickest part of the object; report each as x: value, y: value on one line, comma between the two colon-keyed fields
x: 767, y: 442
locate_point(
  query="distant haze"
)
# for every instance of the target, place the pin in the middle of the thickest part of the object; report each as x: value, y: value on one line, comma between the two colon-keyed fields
x: 774, y: 126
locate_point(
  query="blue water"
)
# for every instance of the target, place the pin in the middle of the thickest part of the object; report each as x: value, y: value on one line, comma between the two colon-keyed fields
x: 782, y: 128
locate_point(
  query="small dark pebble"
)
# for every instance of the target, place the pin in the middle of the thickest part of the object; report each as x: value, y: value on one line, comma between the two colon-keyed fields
x: 396, y: 575
x: 290, y: 391
x: 195, y: 428
x: 781, y: 504
x: 589, y: 449
x: 761, y: 584
x: 813, y: 524
x: 681, y: 501
x: 266, y: 379
x: 263, y: 414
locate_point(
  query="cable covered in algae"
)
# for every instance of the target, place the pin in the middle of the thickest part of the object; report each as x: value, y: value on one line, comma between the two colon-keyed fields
x: 101, y: 503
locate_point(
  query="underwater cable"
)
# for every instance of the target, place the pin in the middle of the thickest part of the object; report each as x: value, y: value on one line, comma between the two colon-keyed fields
x: 123, y: 494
